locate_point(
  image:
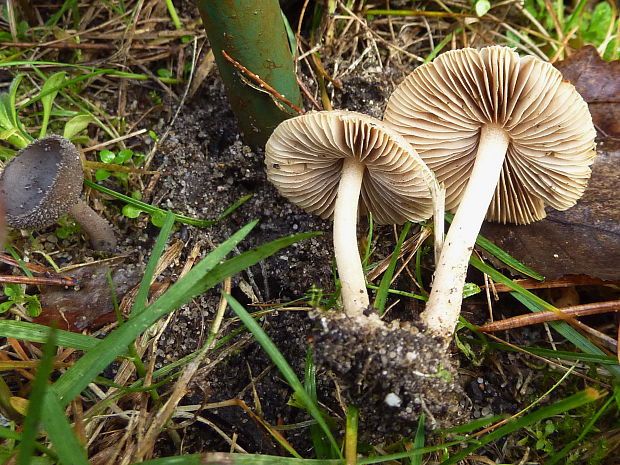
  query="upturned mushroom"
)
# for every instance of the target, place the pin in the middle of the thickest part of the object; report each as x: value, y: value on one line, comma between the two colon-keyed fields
x: 42, y: 183
x: 506, y: 135
x: 322, y: 161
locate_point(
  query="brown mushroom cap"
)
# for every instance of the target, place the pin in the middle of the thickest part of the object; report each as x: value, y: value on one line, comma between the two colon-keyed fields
x: 305, y: 154
x: 41, y: 182
x: 441, y: 107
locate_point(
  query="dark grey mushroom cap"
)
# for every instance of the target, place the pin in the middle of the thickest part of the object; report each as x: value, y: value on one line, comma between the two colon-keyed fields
x: 41, y: 183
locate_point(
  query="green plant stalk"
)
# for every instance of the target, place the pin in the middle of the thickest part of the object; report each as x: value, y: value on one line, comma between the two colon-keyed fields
x: 350, y: 437
x: 254, y: 35
x: 33, y: 415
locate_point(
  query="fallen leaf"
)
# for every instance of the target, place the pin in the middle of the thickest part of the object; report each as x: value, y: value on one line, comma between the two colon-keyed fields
x: 584, y: 239
x: 89, y: 307
x: 598, y: 82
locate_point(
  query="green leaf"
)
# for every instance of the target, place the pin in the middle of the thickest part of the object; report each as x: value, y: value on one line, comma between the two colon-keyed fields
x: 76, y: 125
x: 482, y: 7
x: 470, y: 289
x: 12, y: 131
x: 130, y: 211
x: 48, y: 93
x: 123, y: 156
x: 157, y: 218
x: 107, y: 156
x: 33, y: 306
x: 100, y: 175
x: 4, y: 306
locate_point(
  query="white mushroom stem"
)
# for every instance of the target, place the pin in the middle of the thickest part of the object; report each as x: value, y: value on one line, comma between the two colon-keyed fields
x: 99, y: 231
x: 353, y: 285
x: 444, y: 304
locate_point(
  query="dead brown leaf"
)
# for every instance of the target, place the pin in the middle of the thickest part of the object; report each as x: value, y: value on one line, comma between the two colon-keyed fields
x: 89, y: 307
x: 598, y: 82
x: 582, y: 240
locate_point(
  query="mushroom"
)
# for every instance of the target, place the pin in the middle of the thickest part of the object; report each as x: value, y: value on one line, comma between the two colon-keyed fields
x: 321, y: 161
x: 42, y: 183
x: 506, y: 135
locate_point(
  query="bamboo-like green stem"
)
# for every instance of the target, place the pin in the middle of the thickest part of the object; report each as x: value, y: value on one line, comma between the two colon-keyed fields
x: 253, y: 34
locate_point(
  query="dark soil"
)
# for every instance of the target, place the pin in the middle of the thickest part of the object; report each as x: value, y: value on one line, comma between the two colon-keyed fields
x: 211, y: 169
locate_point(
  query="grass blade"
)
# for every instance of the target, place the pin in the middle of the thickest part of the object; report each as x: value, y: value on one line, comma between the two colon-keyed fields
x: 386, y: 280
x: 202, y: 277
x: 350, y: 435
x: 66, y: 443
x: 321, y: 448
x: 148, y: 208
x: 501, y: 255
x: 38, y: 333
x: 556, y: 457
x: 536, y: 304
x: 278, y: 359
x: 76, y: 378
x: 418, y: 442
x: 576, y: 400
x: 36, y: 399
x: 149, y: 271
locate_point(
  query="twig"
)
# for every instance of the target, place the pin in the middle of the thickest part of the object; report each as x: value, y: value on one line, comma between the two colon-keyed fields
x: 38, y: 280
x: 86, y: 46
x: 262, y: 84
x: 567, y: 281
x: 542, y: 317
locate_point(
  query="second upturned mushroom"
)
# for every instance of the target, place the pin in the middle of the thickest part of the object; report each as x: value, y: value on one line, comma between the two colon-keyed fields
x: 321, y: 161
x: 506, y: 135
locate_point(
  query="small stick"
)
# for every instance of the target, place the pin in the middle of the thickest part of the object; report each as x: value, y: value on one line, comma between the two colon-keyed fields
x: 567, y: 281
x: 307, y: 93
x: 38, y: 280
x: 86, y: 46
x: 262, y: 84
x: 51, y: 278
x: 4, y: 258
x: 542, y: 317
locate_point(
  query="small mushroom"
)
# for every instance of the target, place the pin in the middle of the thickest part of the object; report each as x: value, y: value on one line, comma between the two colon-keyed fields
x: 506, y: 135
x: 321, y: 161
x: 42, y: 183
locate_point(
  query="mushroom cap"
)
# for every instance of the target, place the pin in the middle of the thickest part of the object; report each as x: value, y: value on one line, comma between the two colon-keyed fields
x: 441, y: 107
x: 41, y: 183
x: 304, y: 158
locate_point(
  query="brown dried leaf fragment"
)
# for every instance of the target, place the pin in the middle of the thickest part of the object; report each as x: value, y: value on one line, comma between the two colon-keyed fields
x: 582, y: 240
x: 598, y: 82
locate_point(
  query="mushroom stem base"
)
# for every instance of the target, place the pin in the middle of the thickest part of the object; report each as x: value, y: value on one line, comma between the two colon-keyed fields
x: 444, y: 304
x: 353, y: 284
